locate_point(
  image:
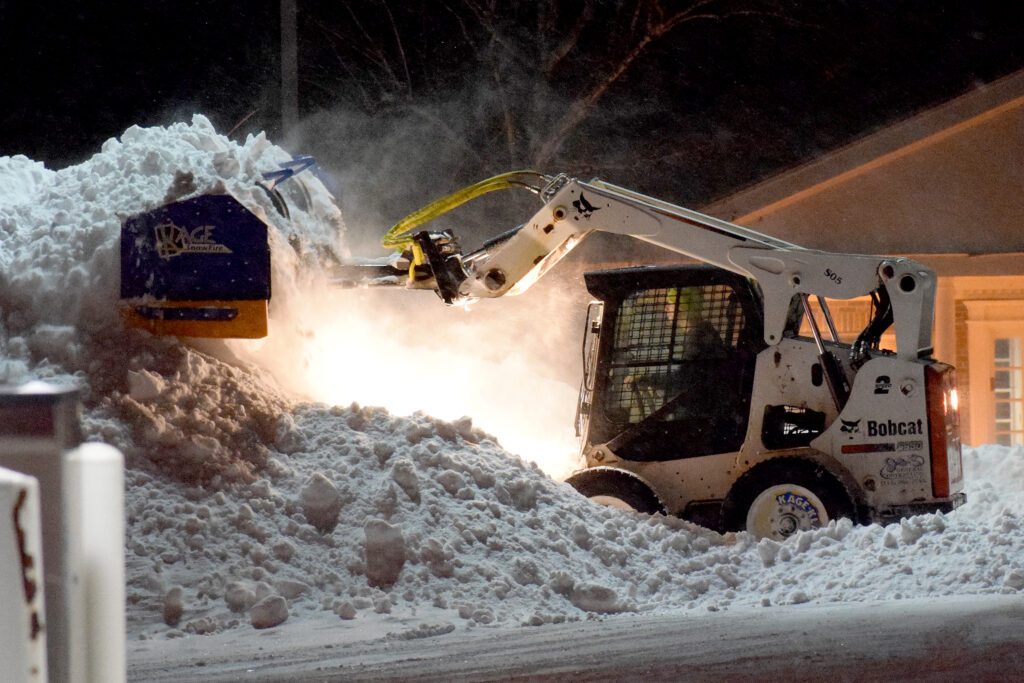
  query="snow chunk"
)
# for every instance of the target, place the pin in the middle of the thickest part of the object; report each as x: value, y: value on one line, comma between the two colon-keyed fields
x: 345, y: 610
x: 291, y: 589
x: 321, y: 502
x: 385, y: 552
x: 269, y: 612
x: 595, y: 597
x: 404, y: 474
x: 145, y: 385
x: 174, y: 606
x: 239, y: 597
x: 768, y: 550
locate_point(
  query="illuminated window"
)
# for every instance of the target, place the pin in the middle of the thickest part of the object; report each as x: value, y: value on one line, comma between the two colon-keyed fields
x: 850, y: 316
x: 1008, y: 390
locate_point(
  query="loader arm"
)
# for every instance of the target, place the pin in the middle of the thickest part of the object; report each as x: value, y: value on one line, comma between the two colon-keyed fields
x: 573, y: 209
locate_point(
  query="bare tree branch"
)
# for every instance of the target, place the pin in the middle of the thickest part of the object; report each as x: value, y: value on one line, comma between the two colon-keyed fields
x: 373, y: 52
x: 581, y: 108
x: 466, y: 35
x: 527, y: 59
x: 398, y: 44
x: 355, y: 80
x: 508, y: 123
x: 570, y: 41
x: 487, y: 17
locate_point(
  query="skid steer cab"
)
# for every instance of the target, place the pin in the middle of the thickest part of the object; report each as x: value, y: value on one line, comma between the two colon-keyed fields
x: 685, y: 410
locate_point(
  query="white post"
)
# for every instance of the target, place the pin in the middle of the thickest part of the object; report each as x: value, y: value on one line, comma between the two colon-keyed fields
x: 22, y: 638
x: 82, y: 529
x: 100, y: 470
x: 38, y: 425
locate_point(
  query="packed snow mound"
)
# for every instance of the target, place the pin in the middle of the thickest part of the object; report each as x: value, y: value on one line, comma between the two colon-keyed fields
x: 197, y: 418
x: 365, y: 515
x: 59, y: 229
x: 362, y: 512
x: 59, y: 268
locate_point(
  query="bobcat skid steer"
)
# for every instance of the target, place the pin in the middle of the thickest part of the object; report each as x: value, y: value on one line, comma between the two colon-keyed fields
x: 720, y: 392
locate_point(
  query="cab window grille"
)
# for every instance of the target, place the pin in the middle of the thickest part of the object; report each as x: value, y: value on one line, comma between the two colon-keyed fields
x: 658, y: 333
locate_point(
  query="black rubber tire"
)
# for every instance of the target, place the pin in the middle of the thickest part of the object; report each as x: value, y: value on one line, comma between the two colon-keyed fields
x: 614, y: 483
x: 786, y: 470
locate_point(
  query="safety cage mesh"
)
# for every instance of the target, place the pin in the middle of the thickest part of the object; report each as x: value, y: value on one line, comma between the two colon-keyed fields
x: 658, y: 333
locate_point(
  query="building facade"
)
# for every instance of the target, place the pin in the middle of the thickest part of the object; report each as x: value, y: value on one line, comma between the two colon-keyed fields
x: 945, y: 187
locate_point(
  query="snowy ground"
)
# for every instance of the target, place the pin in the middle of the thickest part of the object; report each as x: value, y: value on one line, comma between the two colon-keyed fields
x: 256, y: 517
x: 905, y: 640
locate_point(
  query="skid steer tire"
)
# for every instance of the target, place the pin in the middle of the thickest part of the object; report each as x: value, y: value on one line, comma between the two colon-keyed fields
x: 780, y: 497
x: 616, y: 488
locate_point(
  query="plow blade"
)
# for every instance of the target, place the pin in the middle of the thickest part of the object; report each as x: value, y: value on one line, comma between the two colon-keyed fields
x: 198, y: 267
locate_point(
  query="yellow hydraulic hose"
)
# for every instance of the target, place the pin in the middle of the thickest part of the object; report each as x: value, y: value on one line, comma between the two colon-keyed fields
x: 398, y: 236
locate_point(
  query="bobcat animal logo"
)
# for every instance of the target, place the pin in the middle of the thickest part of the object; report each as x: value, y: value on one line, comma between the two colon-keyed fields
x: 583, y: 207
x: 850, y: 426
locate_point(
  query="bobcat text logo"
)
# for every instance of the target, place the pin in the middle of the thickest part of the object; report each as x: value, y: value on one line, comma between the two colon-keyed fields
x: 894, y: 428
x: 850, y: 426
x: 583, y: 207
x: 172, y: 240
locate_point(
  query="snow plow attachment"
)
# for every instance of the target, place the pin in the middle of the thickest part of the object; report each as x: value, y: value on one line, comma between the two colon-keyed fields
x: 199, y: 267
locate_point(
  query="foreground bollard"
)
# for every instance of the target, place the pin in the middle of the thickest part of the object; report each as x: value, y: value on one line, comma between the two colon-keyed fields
x: 100, y: 469
x: 82, y: 528
x: 22, y: 640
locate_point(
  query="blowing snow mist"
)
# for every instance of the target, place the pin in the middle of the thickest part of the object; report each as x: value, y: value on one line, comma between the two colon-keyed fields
x: 503, y: 363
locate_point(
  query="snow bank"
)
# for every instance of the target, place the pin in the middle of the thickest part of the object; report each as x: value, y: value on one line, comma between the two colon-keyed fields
x: 435, y: 518
x: 59, y: 290
x: 249, y: 509
x: 423, y: 514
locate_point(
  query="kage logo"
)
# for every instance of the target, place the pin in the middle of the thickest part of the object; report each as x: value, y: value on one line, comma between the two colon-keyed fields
x: 794, y: 501
x: 172, y: 240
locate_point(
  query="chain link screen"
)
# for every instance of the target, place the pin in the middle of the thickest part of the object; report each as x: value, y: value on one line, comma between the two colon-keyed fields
x: 658, y: 333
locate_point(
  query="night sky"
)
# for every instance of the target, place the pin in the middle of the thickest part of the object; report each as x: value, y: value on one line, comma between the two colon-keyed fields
x: 791, y: 83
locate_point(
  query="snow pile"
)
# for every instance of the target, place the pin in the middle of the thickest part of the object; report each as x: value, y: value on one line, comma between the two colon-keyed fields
x: 248, y: 509
x: 372, y: 516
x: 59, y: 229
x: 59, y: 290
x: 363, y: 512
